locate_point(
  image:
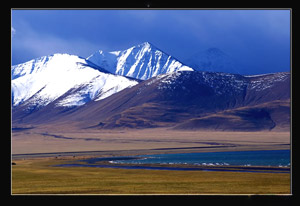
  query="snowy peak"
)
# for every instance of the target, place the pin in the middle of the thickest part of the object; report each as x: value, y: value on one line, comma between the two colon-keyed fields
x: 141, y: 62
x: 29, y: 67
x: 212, y: 60
x: 41, y: 81
x: 145, y: 44
x: 54, y: 63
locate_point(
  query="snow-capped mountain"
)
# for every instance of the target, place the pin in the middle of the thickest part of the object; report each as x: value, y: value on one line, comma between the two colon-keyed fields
x: 141, y: 62
x: 212, y: 60
x: 68, y: 78
x: 66, y: 89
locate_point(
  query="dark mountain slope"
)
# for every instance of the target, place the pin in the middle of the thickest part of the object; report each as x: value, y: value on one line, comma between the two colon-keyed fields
x: 184, y: 99
x: 267, y: 116
x: 171, y: 99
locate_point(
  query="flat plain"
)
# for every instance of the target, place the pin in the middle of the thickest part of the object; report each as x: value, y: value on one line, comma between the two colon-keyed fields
x: 40, y: 140
x: 35, y: 151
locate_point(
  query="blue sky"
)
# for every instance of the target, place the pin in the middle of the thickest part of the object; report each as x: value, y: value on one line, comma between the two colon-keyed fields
x: 259, y: 40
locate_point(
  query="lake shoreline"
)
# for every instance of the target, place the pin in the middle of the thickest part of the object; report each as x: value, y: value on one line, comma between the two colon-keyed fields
x: 135, y: 152
x: 181, y: 167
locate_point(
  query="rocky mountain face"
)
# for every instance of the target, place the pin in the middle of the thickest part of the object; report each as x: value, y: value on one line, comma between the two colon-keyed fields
x: 170, y: 100
x: 140, y: 62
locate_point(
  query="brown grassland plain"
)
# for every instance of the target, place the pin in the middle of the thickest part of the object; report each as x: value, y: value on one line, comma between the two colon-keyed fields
x: 56, y: 139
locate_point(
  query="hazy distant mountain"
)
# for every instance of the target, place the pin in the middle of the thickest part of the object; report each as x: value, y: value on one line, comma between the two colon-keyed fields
x: 141, y: 62
x: 213, y: 60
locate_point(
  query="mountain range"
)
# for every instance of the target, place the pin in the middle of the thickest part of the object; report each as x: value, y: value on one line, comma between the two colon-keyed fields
x: 143, y: 87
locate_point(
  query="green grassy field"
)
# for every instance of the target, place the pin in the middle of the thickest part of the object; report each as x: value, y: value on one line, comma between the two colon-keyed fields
x: 39, y: 177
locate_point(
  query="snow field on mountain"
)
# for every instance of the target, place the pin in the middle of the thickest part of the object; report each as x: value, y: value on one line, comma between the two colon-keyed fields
x: 56, y: 76
x: 261, y: 82
x: 98, y: 88
x: 52, y: 77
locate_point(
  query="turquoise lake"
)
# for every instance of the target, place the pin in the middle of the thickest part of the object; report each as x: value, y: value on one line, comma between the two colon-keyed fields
x: 226, y: 161
x: 244, y: 158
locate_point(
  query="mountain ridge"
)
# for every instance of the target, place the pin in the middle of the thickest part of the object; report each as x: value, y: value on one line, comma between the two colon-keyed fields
x: 141, y: 62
